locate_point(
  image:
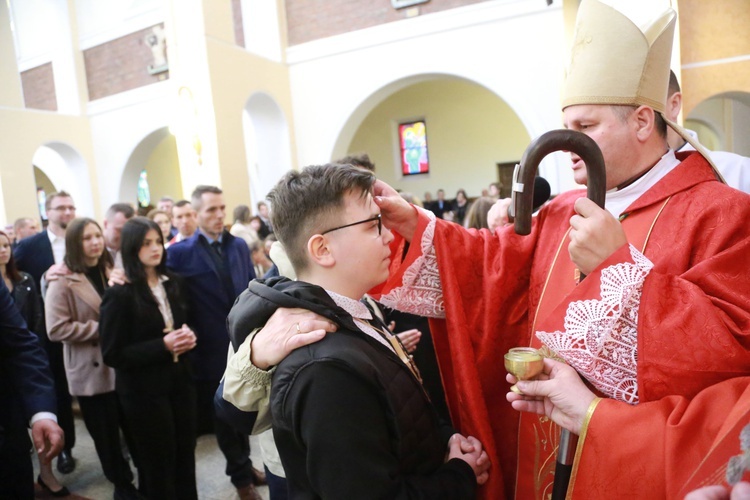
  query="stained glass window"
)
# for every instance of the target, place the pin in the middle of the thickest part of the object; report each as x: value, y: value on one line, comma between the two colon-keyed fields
x: 144, y: 194
x: 413, y: 143
x: 41, y: 201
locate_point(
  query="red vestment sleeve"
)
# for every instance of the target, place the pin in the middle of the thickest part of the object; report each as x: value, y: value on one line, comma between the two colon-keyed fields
x: 693, y: 316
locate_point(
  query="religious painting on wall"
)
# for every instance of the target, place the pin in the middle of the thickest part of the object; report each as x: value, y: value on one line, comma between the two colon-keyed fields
x: 413, y: 143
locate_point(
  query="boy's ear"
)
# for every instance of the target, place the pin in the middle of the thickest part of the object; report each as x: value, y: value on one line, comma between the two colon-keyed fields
x: 319, y: 251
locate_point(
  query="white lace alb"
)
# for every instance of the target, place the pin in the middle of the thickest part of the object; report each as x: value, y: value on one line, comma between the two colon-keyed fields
x: 601, y: 336
x: 421, y: 292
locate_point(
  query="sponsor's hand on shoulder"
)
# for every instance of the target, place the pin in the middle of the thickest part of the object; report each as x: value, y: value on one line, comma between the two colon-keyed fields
x: 285, y: 331
x: 117, y: 277
x: 55, y: 271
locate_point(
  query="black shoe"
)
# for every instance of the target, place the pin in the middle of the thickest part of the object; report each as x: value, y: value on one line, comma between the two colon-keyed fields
x: 63, y: 492
x: 65, y: 462
x: 127, y: 493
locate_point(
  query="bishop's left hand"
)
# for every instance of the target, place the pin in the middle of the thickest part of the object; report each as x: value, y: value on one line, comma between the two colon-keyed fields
x: 595, y: 235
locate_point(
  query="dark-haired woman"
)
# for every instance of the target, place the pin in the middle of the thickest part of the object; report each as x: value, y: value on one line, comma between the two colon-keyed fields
x: 460, y: 205
x: 72, y: 310
x: 476, y: 218
x: 24, y: 293
x: 143, y: 337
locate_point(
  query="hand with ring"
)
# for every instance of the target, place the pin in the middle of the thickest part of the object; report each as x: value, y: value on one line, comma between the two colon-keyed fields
x: 285, y: 331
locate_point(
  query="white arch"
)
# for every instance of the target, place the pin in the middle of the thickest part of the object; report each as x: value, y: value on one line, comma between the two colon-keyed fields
x: 137, y: 162
x: 552, y: 167
x: 337, y: 81
x: 728, y: 116
x: 267, y: 147
x: 68, y: 171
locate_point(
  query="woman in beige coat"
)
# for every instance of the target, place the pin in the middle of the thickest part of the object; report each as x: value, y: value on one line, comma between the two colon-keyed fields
x: 72, y: 313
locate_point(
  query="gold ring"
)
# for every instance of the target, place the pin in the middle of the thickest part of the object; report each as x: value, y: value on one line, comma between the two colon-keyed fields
x: 298, y: 330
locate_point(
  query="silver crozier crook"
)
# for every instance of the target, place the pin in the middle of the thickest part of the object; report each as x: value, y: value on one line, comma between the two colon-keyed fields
x: 523, y: 195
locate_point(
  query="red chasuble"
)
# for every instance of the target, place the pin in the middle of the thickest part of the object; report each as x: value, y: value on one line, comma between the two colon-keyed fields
x: 665, y: 448
x: 693, y: 321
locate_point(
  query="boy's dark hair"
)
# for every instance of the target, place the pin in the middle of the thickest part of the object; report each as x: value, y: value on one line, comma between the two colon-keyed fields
x: 362, y: 160
x: 306, y: 202
x: 75, y: 259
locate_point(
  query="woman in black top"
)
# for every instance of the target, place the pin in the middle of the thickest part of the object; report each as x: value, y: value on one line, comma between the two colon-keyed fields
x: 144, y: 335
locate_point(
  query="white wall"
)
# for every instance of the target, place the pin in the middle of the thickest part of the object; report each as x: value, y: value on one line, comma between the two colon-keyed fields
x: 67, y: 170
x: 260, y: 19
x: 100, y: 21
x: 514, y: 48
x: 728, y: 116
x: 469, y: 131
x: 266, y: 144
x: 36, y: 30
x: 118, y: 125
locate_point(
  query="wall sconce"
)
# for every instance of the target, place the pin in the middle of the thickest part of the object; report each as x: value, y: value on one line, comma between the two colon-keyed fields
x: 185, y: 121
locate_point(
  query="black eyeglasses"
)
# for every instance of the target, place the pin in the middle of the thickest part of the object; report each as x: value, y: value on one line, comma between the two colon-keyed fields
x: 371, y: 219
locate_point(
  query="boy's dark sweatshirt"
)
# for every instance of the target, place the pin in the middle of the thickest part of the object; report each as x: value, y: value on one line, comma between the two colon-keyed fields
x: 350, y: 420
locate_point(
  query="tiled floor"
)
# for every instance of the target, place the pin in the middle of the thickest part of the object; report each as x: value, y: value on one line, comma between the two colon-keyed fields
x: 88, y: 481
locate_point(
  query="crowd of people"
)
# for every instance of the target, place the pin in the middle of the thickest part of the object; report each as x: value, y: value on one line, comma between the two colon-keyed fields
x: 469, y: 213
x: 136, y: 334
x: 172, y: 325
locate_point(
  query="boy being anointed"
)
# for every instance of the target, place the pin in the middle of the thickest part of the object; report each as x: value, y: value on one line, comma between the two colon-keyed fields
x: 350, y: 416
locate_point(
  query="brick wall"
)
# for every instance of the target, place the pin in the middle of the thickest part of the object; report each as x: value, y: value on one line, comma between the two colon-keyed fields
x: 39, y: 88
x: 239, y: 33
x: 120, y: 65
x: 312, y: 19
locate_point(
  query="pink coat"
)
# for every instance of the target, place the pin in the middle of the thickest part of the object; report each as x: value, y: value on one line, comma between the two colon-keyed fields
x: 72, y: 313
